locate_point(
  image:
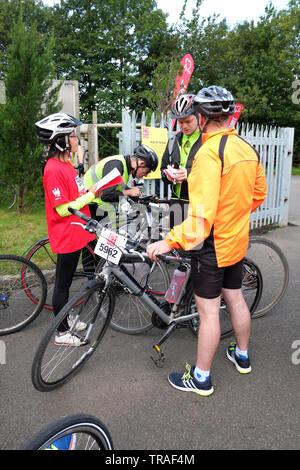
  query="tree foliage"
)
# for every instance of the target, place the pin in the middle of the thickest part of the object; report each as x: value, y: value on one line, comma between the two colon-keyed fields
x: 124, y: 54
x: 28, y: 77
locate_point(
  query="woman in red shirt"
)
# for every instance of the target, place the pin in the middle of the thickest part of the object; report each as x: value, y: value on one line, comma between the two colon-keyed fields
x: 63, y: 188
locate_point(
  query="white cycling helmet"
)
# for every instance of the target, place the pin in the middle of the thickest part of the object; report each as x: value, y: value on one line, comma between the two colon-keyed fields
x: 183, y: 107
x: 54, y: 126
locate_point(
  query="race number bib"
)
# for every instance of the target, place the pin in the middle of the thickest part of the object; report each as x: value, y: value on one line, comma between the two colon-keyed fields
x: 109, y: 245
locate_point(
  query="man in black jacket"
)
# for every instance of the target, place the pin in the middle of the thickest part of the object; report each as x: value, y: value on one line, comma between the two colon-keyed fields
x: 179, y: 154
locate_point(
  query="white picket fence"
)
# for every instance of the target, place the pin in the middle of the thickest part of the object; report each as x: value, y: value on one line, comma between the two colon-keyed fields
x: 275, y: 146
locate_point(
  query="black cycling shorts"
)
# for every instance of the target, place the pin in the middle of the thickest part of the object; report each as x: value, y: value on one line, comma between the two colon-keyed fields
x: 208, y: 281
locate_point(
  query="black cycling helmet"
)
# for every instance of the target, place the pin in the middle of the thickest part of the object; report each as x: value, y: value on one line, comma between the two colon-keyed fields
x: 183, y: 107
x: 214, y: 102
x: 56, y: 125
x: 146, y: 154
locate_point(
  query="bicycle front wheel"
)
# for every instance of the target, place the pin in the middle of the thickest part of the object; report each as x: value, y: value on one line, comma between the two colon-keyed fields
x: 54, y: 365
x: 131, y: 316
x: 252, y: 288
x: 72, y: 432
x: 23, y: 292
x: 274, y: 268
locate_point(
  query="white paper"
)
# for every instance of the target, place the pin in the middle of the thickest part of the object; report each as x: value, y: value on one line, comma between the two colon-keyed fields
x: 112, y: 175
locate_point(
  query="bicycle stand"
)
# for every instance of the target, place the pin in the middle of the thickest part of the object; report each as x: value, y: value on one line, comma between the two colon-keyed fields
x: 159, y: 362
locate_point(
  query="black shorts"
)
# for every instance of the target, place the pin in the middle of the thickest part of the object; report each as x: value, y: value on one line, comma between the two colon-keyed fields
x: 209, y: 280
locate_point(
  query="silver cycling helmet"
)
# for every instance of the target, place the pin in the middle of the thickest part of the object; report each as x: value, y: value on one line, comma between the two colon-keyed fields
x: 183, y: 107
x: 55, y: 125
x: 214, y: 101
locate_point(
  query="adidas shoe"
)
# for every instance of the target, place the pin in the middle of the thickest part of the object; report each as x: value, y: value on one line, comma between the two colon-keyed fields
x: 67, y: 339
x: 187, y: 382
x: 242, y: 364
x: 80, y: 325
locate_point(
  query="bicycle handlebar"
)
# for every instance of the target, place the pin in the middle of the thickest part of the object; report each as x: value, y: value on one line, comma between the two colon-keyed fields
x: 146, y: 199
x: 131, y: 244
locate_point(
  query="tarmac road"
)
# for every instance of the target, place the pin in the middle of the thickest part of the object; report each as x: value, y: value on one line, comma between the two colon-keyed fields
x: 121, y: 385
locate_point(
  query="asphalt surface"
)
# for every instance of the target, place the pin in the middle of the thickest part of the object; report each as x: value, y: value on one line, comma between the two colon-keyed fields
x: 121, y: 385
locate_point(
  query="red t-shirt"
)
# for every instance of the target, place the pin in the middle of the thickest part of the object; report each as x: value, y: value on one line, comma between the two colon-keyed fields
x: 62, y: 185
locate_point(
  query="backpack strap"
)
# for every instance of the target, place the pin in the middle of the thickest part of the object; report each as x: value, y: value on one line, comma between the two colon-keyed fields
x: 171, y: 144
x: 221, y: 149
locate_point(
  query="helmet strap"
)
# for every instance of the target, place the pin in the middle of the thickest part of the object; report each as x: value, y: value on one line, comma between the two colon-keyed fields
x: 67, y: 144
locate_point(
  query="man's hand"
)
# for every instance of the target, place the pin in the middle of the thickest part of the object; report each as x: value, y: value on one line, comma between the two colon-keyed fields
x: 180, y: 175
x: 157, y: 248
x: 134, y: 192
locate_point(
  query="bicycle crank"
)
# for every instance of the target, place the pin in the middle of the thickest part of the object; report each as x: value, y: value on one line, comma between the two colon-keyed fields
x: 159, y: 362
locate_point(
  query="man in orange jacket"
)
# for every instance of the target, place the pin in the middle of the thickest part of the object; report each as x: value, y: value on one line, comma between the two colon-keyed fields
x: 225, y: 185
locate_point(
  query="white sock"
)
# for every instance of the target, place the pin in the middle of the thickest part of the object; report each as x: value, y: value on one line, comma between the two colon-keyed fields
x: 201, y: 375
x: 241, y: 352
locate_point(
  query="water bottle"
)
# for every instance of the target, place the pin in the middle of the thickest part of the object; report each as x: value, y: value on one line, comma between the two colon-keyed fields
x: 178, y: 279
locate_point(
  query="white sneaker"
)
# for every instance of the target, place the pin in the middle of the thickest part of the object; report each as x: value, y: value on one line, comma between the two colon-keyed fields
x: 80, y: 325
x: 66, y: 339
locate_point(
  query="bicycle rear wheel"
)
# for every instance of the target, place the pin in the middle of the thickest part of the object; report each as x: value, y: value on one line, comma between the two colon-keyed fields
x: 8, y: 195
x: 41, y: 254
x: 23, y: 292
x: 252, y: 288
x: 131, y: 316
x: 72, y: 432
x: 274, y: 268
x: 54, y: 365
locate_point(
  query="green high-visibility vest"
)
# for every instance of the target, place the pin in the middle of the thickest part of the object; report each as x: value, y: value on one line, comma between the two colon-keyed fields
x: 95, y: 172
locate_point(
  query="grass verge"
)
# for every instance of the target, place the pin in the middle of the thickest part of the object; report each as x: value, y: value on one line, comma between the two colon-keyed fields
x: 19, y: 230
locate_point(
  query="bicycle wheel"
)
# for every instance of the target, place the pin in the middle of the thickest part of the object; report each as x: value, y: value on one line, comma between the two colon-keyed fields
x: 274, y: 269
x: 8, y: 195
x: 41, y: 254
x: 23, y: 292
x: 72, y: 432
x: 252, y: 288
x: 130, y: 315
x: 54, y: 365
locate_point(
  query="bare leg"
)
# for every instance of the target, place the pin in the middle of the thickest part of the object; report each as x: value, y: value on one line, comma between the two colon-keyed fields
x: 209, y: 331
x: 240, y: 316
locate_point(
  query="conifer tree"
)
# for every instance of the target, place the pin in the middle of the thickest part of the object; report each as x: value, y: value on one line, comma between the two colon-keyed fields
x: 28, y: 77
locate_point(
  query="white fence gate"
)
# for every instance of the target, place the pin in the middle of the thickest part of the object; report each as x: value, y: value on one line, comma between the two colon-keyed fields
x: 275, y: 146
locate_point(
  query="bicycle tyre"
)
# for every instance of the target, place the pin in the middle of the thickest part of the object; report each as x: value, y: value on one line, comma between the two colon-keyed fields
x: 130, y: 315
x: 23, y: 292
x: 252, y: 280
x: 41, y: 254
x: 54, y: 365
x: 8, y: 195
x: 81, y: 425
x: 274, y: 269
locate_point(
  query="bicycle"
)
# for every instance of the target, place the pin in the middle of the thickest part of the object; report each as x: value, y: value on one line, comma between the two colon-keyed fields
x: 155, y: 277
x: 23, y: 291
x: 53, y: 366
x: 72, y: 432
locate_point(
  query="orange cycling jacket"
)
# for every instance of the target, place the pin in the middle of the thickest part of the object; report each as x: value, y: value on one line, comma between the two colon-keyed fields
x: 226, y: 184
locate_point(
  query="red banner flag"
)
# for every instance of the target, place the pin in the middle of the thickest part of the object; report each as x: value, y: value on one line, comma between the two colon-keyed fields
x: 182, y: 80
x: 238, y: 111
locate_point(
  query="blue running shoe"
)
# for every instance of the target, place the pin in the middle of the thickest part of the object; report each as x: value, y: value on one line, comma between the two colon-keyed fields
x: 242, y: 364
x: 187, y: 382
